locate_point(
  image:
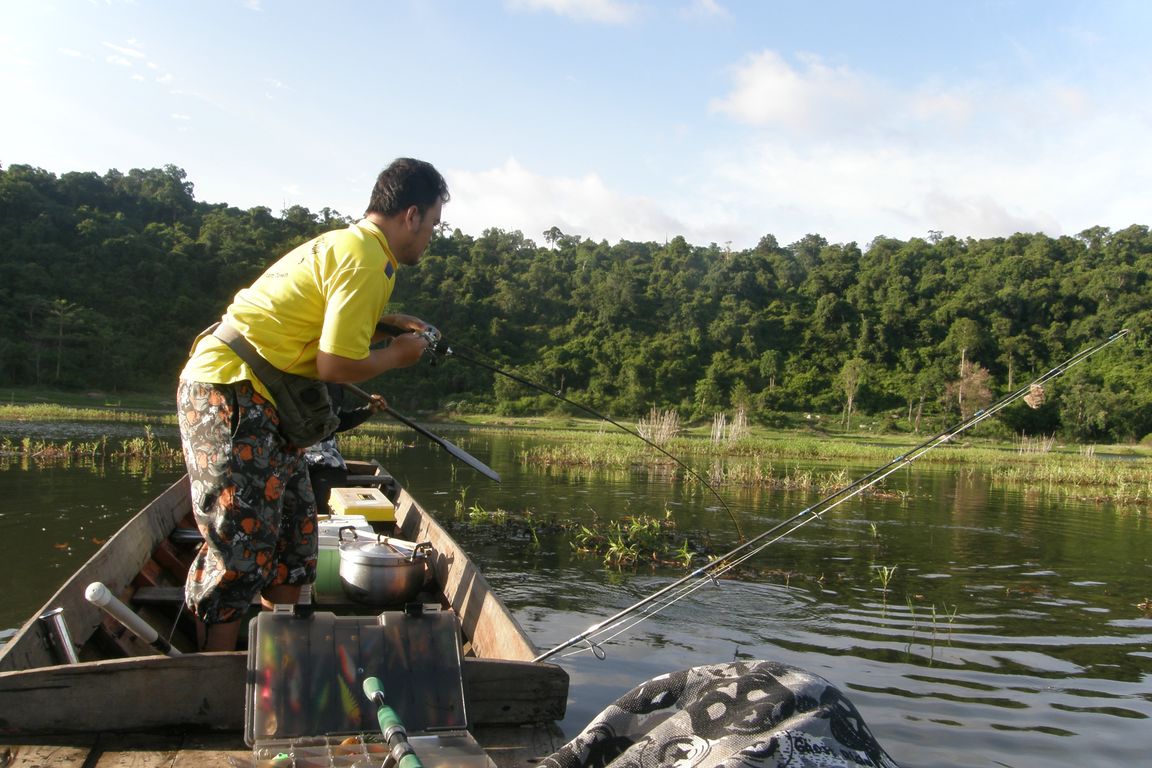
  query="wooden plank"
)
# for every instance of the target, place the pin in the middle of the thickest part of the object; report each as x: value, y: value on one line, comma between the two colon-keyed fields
x: 204, y: 690
x: 498, y: 691
x: 174, y: 565
x: 136, y: 751
x: 207, y: 690
x: 43, y: 755
x: 518, y: 747
x: 158, y: 596
x: 174, y: 596
x: 212, y: 750
x: 507, y: 747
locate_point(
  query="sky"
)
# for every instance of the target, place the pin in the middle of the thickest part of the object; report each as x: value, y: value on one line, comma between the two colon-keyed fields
x: 721, y: 121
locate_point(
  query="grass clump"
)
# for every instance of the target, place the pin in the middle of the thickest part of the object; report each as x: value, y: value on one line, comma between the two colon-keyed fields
x: 634, y: 540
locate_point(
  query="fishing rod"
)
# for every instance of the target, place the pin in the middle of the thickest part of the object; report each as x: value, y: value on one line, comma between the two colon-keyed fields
x: 439, y: 348
x: 724, y: 563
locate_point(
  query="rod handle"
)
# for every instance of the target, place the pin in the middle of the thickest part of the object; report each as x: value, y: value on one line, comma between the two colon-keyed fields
x: 102, y: 597
x: 392, y: 729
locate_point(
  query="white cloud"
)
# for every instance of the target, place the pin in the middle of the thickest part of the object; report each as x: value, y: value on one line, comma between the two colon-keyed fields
x: 512, y: 197
x: 129, y: 52
x: 1061, y: 178
x: 933, y: 105
x: 704, y: 9
x: 603, y: 11
x: 835, y: 152
x: 769, y: 92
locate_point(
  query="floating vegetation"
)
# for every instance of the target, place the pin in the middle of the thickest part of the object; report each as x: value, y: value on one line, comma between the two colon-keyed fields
x: 626, y: 543
x: 365, y: 444
x: 1124, y: 482
x: 147, y: 448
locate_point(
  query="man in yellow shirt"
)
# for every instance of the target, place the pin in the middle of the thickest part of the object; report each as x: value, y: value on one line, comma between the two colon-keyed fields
x: 313, y: 313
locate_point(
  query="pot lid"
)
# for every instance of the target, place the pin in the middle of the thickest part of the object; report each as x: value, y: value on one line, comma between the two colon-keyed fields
x: 380, y: 551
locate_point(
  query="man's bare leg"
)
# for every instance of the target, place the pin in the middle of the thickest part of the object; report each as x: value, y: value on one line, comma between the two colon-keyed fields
x: 279, y: 594
x: 217, y: 637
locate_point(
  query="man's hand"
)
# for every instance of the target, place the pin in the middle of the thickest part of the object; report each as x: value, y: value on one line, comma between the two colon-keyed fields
x: 376, y: 403
x: 392, y: 326
x: 407, y: 349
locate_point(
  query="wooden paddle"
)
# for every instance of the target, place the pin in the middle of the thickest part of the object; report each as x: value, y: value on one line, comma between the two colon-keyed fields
x: 454, y: 450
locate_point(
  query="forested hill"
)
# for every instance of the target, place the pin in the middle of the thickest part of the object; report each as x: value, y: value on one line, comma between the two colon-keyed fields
x: 105, y: 281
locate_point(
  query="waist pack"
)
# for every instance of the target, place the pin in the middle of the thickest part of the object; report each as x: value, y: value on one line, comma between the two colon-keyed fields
x: 306, y: 414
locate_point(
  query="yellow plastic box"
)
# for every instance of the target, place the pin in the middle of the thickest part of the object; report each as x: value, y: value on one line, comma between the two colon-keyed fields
x: 369, y: 502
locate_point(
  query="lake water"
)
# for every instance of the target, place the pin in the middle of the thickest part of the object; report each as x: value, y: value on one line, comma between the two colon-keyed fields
x: 1010, y: 631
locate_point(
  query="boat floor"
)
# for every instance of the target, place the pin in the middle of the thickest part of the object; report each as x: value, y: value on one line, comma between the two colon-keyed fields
x: 507, y: 747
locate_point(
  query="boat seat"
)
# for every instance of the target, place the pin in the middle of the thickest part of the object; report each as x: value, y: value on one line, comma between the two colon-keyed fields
x: 175, y: 596
x: 385, y: 482
x: 186, y: 536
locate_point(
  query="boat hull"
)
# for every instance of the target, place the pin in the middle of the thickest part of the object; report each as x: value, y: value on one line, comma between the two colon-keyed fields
x: 121, y: 685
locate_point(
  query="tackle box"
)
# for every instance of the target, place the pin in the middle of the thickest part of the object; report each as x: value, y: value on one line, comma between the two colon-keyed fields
x: 304, y: 700
x: 370, y: 502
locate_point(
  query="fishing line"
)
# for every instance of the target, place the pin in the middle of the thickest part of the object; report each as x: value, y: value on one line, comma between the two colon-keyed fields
x: 438, y: 348
x: 724, y: 563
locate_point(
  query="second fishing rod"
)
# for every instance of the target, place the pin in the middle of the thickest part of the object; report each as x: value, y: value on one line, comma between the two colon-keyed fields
x: 729, y: 560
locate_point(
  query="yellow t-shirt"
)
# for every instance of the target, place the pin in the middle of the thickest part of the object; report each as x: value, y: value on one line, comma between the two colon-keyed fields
x: 326, y: 294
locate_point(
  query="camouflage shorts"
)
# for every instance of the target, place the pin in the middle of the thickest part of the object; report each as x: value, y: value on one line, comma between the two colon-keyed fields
x: 251, y: 498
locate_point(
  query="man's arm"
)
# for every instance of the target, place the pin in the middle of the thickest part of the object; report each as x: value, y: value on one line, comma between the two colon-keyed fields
x: 405, y: 350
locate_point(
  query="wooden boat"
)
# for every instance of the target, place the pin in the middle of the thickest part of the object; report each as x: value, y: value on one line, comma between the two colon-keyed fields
x: 123, y: 696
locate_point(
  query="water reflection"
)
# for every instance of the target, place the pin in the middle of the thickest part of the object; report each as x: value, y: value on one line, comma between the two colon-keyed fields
x: 1010, y: 630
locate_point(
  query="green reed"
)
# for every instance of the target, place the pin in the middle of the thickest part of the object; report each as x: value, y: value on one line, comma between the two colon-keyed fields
x: 54, y: 412
x: 368, y: 444
x: 632, y: 540
x: 770, y: 461
x: 625, y: 543
x: 1123, y: 481
x: 147, y: 447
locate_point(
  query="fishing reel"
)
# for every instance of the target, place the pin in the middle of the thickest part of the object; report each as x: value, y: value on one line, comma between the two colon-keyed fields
x: 437, y: 348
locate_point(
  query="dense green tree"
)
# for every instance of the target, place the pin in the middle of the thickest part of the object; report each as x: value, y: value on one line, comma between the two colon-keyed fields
x: 106, y: 279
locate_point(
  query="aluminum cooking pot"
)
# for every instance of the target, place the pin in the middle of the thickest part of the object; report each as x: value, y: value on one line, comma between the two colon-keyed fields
x: 381, y: 570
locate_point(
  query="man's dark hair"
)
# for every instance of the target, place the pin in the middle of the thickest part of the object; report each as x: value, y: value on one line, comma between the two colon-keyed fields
x: 406, y: 182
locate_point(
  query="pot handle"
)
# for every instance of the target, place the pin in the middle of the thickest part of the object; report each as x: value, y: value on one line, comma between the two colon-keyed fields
x: 340, y: 533
x: 383, y: 539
